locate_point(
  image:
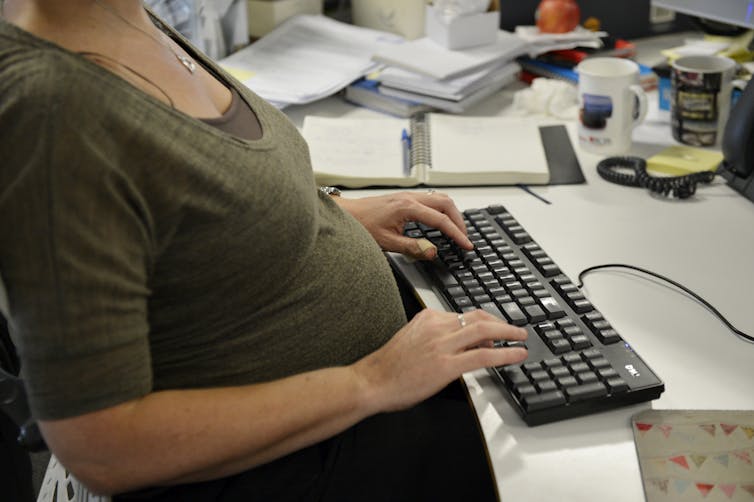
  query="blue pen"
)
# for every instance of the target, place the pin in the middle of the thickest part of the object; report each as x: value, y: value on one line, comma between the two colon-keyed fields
x: 406, y: 146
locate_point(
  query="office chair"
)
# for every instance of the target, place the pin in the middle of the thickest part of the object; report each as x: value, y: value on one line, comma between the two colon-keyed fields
x: 20, y: 435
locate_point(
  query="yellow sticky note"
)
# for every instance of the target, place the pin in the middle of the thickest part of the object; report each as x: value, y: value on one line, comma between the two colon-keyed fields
x: 239, y: 73
x: 678, y: 160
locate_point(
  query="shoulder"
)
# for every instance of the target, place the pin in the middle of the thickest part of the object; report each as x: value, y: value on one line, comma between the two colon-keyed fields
x: 36, y: 75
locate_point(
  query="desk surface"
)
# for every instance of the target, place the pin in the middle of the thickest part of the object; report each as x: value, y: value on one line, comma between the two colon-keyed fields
x: 706, y: 243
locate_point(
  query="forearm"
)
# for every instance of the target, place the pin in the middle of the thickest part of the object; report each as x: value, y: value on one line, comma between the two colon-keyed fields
x: 185, y: 436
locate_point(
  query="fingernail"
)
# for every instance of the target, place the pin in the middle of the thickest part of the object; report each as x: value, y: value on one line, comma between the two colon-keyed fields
x: 426, y: 248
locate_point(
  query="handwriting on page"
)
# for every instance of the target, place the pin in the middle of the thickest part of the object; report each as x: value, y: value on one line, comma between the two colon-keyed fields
x: 486, y: 144
x: 363, y: 148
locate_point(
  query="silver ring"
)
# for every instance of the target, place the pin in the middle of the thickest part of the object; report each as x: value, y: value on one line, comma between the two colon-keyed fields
x: 431, y: 191
x: 461, y: 320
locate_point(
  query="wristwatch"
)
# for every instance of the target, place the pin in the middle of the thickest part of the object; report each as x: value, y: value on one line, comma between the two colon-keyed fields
x: 333, y: 191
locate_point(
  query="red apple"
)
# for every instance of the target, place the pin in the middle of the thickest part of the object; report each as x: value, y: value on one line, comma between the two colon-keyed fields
x: 557, y: 16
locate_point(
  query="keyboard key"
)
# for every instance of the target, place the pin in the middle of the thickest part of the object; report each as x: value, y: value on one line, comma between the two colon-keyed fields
x: 526, y: 390
x: 566, y: 382
x: 560, y: 346
x: 491, y: 308
x: 514, y: 375
x: 559, y: 372
x: 535, y: 313
x: 581, y: 306
x: 580, y: 342
x: 608, y: 336
x: 552, y: 308
x: 545, y: 386
x: 585, y: 391
x: 544, y: 400
x: 539, y: 376
x: 579, y: 367
x: 606, y: 373
x: 462, y: 302
x: 514, y: 314
x: 599, y: 362
x: 531, y: 366
x: 586, y: 377
x: 617, y: 385
x: 549, y: 269
x: 456, y: 291
x: 569, y: 359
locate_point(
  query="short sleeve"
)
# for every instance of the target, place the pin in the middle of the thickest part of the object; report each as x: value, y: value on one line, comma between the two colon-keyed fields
x: 75, y: 250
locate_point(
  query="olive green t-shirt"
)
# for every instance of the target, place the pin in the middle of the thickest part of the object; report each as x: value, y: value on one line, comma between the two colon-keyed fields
x: 145, y: 250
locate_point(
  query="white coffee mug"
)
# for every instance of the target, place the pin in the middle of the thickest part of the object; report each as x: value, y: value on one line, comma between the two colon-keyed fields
x: 611, y: 104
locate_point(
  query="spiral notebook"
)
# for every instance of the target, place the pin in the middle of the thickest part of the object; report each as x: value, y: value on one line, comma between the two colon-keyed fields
x: 427, y: 150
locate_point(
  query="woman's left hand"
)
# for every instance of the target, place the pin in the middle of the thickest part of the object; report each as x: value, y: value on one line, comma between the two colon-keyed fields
x: 384, y: 217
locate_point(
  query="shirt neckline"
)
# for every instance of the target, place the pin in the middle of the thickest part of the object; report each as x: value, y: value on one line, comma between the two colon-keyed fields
x: 248, y: 97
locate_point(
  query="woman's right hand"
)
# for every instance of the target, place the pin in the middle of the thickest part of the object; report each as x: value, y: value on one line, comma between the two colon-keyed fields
x: 431, y: 351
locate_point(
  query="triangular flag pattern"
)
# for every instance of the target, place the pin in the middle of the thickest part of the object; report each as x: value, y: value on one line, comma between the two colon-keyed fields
x: 680, y: 460
x: 643, y: 427
x: 665, y: 429
x: 749, y: 431
x: 662, y: 484
x: 723, y: 459
x: 728, y: 489
x: 745, y: 456
x: 704, y: 488
x: 681, y: 485
x: 709, y: 429
x: 698, y: 459
x: 728, y: 428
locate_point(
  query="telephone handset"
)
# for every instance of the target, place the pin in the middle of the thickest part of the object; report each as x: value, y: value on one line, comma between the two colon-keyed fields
x: 738, y: 145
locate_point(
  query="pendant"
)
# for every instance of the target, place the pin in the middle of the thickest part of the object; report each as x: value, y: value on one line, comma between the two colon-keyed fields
x: 187, y: 62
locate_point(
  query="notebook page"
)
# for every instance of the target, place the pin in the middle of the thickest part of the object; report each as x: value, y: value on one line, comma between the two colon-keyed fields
x: 346, y: 150
x: 486, y: 145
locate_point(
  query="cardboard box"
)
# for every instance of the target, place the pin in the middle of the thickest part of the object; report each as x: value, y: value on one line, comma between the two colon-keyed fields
x: 264, y: 15
x: 463, y: 31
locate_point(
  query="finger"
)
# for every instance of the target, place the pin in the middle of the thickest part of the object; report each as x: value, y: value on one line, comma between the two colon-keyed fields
x: 489, y: 358
x: 442, y: 222
x: 445, y: 204
x: 421, y: 249
x: 479, y: 333
x: 479, y: 315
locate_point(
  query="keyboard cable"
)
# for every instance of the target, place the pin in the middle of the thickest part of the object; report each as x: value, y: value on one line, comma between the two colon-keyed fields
x: 683, y: 288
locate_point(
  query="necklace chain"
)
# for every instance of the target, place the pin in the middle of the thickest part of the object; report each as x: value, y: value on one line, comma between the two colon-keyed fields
x: 188, y: 63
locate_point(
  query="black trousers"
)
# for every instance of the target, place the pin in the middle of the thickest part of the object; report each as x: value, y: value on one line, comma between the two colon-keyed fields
x: 431, y: 452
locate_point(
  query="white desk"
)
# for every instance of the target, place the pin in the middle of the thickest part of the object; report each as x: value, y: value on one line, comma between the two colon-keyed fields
x: 706, y: 243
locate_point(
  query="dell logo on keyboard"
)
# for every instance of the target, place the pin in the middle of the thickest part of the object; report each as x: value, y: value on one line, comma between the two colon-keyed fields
x: 632, y: 371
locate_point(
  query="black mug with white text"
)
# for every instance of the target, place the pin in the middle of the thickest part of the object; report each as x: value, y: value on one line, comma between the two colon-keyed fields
x: 701, y: 87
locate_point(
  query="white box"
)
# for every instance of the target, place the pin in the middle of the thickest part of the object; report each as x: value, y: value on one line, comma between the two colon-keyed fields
x: 463, y: 31
x: 402, y: 17
x: 264, y: 15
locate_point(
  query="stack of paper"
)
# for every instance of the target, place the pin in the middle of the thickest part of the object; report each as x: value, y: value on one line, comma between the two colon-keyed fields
x: 449, y: 80
x: 452, y: 95
x: 539, y: 42
x: 307, y: 58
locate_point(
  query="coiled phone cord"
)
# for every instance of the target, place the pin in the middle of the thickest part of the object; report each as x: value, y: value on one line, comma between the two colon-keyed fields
x: 681, y: 187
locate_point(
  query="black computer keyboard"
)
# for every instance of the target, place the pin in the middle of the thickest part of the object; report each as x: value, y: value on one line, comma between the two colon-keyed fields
x: 578, y: 363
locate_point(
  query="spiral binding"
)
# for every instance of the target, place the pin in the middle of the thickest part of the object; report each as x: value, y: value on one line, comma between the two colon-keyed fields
x: 420, y: 152
x: 681, y: 187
